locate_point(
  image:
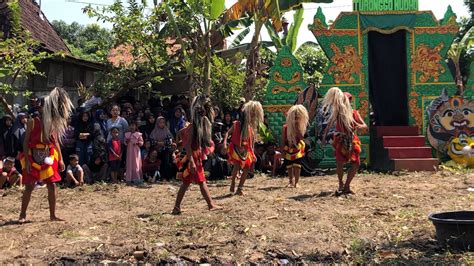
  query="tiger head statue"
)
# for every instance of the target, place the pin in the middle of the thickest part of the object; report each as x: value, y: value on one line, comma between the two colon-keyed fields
x: 461, y: 149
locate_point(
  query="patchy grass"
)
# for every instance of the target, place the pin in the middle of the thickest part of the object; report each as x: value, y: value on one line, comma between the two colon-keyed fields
x: 386, y: 222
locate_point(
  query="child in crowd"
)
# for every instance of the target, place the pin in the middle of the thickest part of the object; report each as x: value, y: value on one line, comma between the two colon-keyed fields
x: 241, y: 149
x: 151, y: 167
x: 197, y: 141
x: 292, y: 141
x: 134, y: 140
x: 9, y: 176
x: 145, y: 149
x: 217, y: 164
x: 115, y: 154
x: 346, y: 143
x: 95, y: 170
x: 271, y: 159
x: 74, y: 172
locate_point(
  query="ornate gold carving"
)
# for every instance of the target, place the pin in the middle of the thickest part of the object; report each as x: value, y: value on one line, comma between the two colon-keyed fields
x: 278, y: 78
x: 437, y: 30
x: 296, y: 89
x: 345, y: 64
x: 278, y: 89
x: 428, y: 61
x: 286, y: 62
x: 364, y: 105
x: 277, y: 108
x: 416, y: 111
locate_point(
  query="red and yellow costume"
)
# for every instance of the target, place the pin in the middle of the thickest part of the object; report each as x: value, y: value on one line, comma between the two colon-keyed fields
x: 198, y: 155
x: 345, y: 152
x: 293, y: 154
x: 241, y: 150
x: 40, y: 148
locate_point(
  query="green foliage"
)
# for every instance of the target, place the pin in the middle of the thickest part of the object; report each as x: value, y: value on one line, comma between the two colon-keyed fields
x: 313, y: 60
x: 139, y: 53
x: 90, y: 42
x: 18, y: 55
x: 311, y: 57
x: 292, y: 37
x: 265, y: 134
x: 227, y: 80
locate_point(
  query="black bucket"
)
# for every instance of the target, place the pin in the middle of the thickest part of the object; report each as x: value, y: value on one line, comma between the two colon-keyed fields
x: 455, y: 230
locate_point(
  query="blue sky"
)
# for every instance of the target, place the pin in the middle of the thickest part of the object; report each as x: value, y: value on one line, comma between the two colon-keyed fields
x: 71, y: 10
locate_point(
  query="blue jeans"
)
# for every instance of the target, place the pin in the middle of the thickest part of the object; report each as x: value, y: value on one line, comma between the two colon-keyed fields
x: 84, y: 151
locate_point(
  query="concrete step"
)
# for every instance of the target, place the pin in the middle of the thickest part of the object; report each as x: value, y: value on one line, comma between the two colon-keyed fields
x: 396, y: 131
x: 415, y: 164
x: 409, y: 152
x: 403, y: 141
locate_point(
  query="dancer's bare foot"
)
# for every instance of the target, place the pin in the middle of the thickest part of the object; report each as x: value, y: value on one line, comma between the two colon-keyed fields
x: 215, y: 208
x: 240, y: 192
x: 176, y: 211
x: 290, y: 185
x: 296, y: 186
x: 22, y: 220
x: 56, y: 219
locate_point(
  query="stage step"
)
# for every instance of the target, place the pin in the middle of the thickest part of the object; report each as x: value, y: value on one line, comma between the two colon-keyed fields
x: 418, y: 164
x: 396, y: 131
x: 403, y: 141
x: 409, y: 152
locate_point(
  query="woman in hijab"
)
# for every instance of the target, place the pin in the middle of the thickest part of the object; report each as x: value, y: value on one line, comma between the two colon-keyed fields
x: 99, y: 146
x: 84, y: 134
x: 148, y: 127
x: 7, y: 140
x: 177, y: 120
x: 162, y: 140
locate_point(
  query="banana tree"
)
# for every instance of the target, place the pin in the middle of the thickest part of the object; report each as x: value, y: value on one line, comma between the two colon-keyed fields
x: 455, y: 53
x: 205, y: 14
x: 261, y: 11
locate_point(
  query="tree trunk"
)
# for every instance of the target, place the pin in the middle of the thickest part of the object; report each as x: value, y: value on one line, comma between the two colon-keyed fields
x: 6, y: 106
x: 252, y: 63
x: 207, y: 64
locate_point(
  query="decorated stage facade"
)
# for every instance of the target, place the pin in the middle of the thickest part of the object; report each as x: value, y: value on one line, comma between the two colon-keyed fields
x: 392, y: 59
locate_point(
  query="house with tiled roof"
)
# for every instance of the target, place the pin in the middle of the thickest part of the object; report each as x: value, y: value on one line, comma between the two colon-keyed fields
x: 62, y: 71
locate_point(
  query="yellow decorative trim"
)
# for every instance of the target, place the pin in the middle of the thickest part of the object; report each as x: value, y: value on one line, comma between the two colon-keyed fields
x: 341, y: 85
x: 416, y: 112
x: 390, y: 31
x: 359, y: 34
x: 277, y: 108
x: 435, y: 83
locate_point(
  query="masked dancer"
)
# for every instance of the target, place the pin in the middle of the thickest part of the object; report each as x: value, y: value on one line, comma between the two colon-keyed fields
x: 41, y: 159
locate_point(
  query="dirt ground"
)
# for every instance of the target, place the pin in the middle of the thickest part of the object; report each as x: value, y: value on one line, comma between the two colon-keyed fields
x: 385, y: 222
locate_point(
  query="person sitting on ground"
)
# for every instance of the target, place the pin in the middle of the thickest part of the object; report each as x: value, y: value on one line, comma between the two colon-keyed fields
x: 271, y: 159
x: 9, y: 176
x: 95, y: 170
x: 74, y: 172
x: 217, y: 164
x: 151, y: 167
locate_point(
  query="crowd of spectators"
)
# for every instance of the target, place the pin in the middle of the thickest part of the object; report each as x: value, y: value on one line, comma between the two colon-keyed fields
x: 100, y: 144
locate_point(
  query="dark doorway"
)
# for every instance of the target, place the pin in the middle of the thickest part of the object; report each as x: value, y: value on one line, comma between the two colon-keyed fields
x: 388, y: 78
